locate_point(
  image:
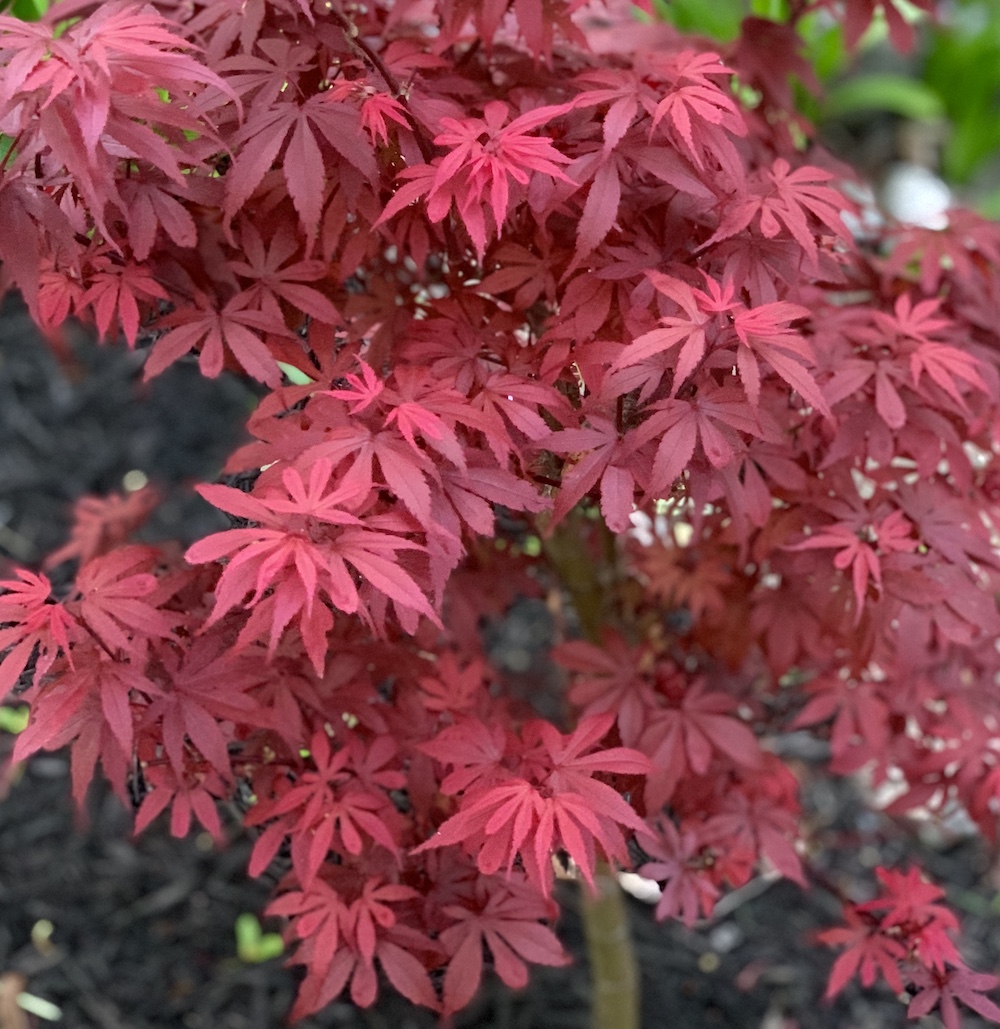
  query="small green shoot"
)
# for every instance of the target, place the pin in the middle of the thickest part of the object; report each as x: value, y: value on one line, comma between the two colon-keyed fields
x: 295, y: 376
x: 14, y: 719
x: 532, y: 546
x: 253, y: 945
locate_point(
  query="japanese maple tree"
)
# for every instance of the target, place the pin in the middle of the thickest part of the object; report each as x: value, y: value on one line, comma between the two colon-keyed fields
x: 547, y: 303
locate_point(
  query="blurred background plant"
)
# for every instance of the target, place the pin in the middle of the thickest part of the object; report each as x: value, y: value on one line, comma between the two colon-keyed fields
x: 26, y: 10
x: 253, y: 945
x: 936, y: 109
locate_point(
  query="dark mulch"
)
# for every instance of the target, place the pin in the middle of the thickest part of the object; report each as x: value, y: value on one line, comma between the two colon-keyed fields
x: 142, y: 930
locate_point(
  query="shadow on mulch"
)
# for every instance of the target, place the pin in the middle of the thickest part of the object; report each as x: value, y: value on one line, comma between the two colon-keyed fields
x: 139, y: 934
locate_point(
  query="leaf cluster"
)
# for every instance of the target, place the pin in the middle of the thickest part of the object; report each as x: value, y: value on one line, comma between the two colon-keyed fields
x: 505, y: 274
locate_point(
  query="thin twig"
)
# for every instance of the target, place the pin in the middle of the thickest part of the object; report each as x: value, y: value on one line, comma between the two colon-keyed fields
x: 367, y: 54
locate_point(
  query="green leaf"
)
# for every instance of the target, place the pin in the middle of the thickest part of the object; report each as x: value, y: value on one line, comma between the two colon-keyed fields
x: 775, y: 10
x: 883, y: 91
x: 823, y: 46
x: 719, y: 19
x: 29, y: 10
x: 14, y: 719
x: 964, y: 67
x: 253, y: 946
x: 295, y: 376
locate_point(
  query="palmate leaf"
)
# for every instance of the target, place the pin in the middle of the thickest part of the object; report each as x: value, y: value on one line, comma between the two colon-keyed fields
x: 605, y: 458
x: 112, y: 590
x: 785, y: 200
x: 159, y: 204
x: 90, y: 92
x: 28, y: 214
x: 765, y: 332
x: 30, y: 621
x: 712, y: 418
x: 561, y: 805
x: 210, y: 687
x: 684, y: 739
x: 299, y: 129
x: 858, y: 15
x: 688, y: 891
x: 601, y: 207
x: 694, y: 329
x: 213, y: 332
x: 507, y: 923
x: 289, y: 574
x: 273, y: 278
x: 943, y: 990
x: 343, y: 938
x: 115, y: 293
x: 869, y: 952
x: 697, y: 103
x: 485, y: 155
x: 194, y: 794
x: 405, y: 470
x: 93, y: 701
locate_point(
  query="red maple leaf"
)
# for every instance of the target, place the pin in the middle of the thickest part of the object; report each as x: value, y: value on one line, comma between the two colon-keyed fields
x: 115, y: 292
x: 945, y: 989
x: 859, y: 14
x: 186, y: 794
x: 273, y: 279
x: 452, y: 687
x: 765, y: 332
x: 911, y: 903
x: 679, y: 424
x: 290, y: 560
x: 861, y: 548
x: 102, y: 523
x: 783, y: 199
x: 695, y: 329
x: 378, y: 110
x: 213, y: 331
x: 31, y: 620
x: 341, y: 939
x: 329, y: 807
x: 93, y: 90
x: 503, y: 917
x: 608, y: 679
x: 156, y: 202
x: 602, y: 454
x: 869, y: 951
x: 860, y: 716
x: 558, y: 804
x: 688, y: 891
x: 97, y: 693
x: 695, y: 102
x: 209, y: 688
x: 485, y: 156
x: 683, y: 739
x: 297, y: 129
x: 111, y: 600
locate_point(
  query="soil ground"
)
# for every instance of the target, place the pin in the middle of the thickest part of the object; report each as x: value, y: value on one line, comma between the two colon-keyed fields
x: 119, y: 933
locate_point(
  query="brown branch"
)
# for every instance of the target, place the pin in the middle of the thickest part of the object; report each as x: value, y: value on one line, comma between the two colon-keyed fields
x: 614, y: 972
x: 370, y: 57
